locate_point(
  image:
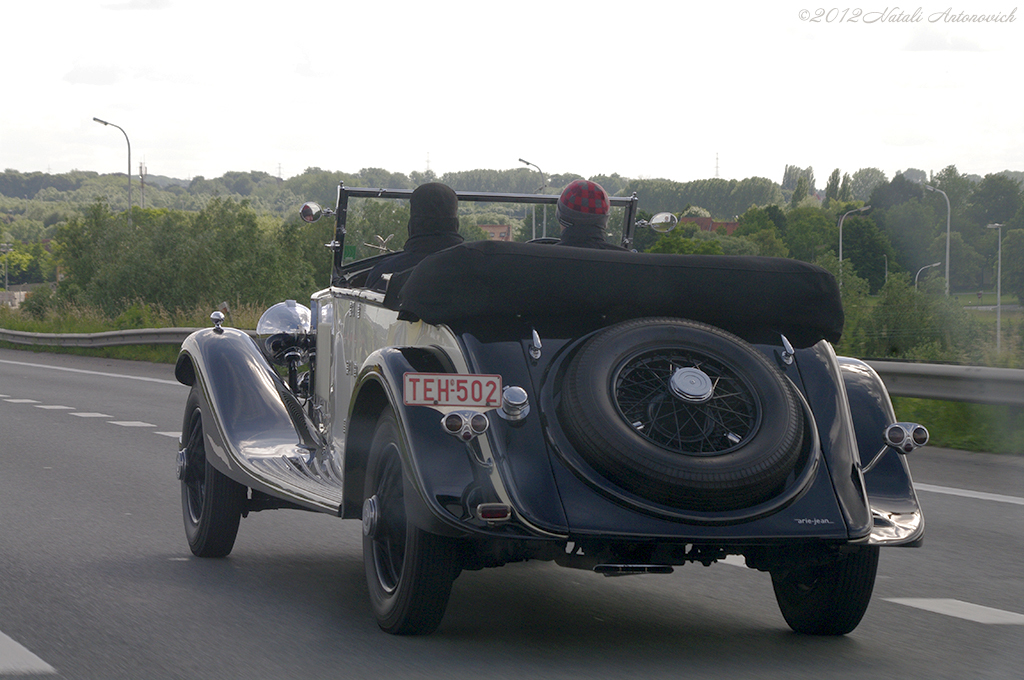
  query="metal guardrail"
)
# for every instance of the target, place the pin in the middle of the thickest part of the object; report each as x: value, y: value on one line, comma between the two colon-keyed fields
x: 140, y: 336
x: 976, y: 384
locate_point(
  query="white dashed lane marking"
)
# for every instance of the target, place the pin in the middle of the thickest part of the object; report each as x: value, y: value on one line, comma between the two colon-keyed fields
x: 961, y: 610
x: 55, y: 407
x: 22, y: 401
x: 964, y: 493
x: 91, y: 415
x: 16, y: 660
x: 131, y: 423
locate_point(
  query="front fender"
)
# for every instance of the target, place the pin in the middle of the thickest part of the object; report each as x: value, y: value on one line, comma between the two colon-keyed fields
x: 256, y: 431
x: 896, y: 513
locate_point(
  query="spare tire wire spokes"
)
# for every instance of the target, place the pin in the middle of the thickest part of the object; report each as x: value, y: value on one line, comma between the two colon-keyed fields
x: 648, y: 399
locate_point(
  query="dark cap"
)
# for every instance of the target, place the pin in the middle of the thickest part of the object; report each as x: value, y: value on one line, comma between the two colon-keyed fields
x: 433, y: 208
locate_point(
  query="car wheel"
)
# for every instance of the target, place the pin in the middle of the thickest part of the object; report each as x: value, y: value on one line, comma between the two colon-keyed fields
x: 409, y: 572
x: 683, y: 414
x: 828, y: 599
x: 211, y: 502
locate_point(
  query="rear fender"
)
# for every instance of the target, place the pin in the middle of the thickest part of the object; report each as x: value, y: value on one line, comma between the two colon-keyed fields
x: 896, y: 513
x: 438, y: 467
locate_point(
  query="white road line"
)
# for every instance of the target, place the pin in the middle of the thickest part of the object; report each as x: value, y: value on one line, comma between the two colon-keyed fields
x: 961, y: 610
x: 15, y: 659
x: 55, y: 407
x: 92, y: 415
x: 1013, y: 500
x: 105, y: 375
x: 169, y: 434
x: 22, y: 401
x: 131, y: 423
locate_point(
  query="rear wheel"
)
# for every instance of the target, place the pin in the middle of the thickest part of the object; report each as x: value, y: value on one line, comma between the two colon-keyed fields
x: 409, y: 572
x: 828, y: 599
x: 211, y: 502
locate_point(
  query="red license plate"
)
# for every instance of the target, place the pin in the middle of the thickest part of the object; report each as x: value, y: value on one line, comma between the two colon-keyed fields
x: 452, y: 389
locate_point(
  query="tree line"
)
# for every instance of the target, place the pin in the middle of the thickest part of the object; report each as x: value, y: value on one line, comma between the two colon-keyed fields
x: 237, y: 237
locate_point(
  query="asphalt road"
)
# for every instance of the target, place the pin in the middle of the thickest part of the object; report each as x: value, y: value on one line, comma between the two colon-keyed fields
x: 96, y: 579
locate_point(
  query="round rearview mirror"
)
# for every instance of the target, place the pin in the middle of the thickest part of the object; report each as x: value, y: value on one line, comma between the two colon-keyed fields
x: 663, y: 222
x: 311, y: 212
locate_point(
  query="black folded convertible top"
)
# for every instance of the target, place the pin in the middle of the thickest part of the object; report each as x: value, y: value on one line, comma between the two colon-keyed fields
x: 745, y: 295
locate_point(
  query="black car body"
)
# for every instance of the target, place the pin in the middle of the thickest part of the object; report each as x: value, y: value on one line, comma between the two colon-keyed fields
x: 612, y: 411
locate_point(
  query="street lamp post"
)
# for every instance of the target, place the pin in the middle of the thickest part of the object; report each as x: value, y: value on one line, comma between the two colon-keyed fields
x: 103, y: 122
x: 931, y: 188
x: 999, y: 288
x: 543, y: 183
x: 867, y: 207
x: 934, y: 264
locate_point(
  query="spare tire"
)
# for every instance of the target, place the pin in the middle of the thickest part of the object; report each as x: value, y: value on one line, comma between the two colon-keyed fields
x: 682, y: 414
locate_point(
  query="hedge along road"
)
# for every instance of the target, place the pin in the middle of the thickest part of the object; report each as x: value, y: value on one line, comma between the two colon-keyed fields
x: 96, y: 579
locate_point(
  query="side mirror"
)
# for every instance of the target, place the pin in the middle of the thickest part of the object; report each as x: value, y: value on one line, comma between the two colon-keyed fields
x: 311, y: 212
x: 663, y: 222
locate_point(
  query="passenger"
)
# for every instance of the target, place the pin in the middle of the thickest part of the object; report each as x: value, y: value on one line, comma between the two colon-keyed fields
x: 433, y: 226
x: 583, y: 210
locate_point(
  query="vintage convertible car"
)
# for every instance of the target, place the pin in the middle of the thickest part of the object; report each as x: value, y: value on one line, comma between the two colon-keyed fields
x: 613, y: 411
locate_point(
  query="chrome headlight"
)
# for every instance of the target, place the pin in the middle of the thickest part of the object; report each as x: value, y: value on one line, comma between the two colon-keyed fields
x: 283, y: 332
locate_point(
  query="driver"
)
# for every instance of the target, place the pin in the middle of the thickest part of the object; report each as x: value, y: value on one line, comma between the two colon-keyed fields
x: 433, y: 226
x: 583, y: 210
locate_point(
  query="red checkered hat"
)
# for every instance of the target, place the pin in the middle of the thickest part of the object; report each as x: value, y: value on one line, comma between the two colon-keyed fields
x: 583, y: 203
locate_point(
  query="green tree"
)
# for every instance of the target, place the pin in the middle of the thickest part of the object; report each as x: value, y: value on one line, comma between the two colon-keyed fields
x: 864, y: 181
x: 846, y: 189
x: 810, y: 232
x: 675, y: 242
x: 832, y: 188
x: 800, y: 192
x: 1013, y: 263
x: 867, y: 249
x: 769, y: 243
x: 995, y: 200
x: 965, y: 264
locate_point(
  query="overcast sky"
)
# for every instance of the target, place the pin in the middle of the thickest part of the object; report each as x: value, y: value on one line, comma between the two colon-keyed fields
x: 646, y: 88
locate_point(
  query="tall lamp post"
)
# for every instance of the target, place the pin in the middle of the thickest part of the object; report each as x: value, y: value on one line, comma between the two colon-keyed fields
x: 543, y: 183
x: 931, y: 188
x: 927, y: 266
x: 103, y: 122
x: 867, y: 207
x: 999, y: 288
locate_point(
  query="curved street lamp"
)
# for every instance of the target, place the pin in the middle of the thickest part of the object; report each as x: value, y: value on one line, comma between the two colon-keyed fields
x: 103, y: 122
x: 999, y: 288
x: 543, y: 183
x: 934, y: 264
x: 931, y: 188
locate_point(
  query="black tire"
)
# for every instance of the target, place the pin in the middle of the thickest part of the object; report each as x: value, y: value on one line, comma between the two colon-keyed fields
x: 628, y: 406
x: 409, y: 572
x: 211, y: 502
x: 828, y: 599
